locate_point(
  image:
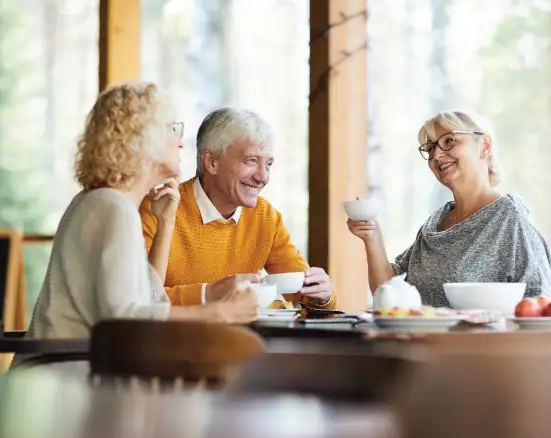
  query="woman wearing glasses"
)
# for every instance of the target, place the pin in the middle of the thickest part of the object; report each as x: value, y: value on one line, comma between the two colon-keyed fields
x: 481, y: 236
x: 98, y: 267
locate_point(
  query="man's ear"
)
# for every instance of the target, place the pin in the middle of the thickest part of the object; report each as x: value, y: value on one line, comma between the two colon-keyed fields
x: 210, y: 163
x: 487, y: 146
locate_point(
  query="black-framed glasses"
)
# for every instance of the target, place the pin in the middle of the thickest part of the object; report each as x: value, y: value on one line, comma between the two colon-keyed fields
x: 178, y: 128
x: 445, y: 142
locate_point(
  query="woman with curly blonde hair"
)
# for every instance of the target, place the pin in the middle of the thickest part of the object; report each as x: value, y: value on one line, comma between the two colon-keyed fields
x: 98, y: 267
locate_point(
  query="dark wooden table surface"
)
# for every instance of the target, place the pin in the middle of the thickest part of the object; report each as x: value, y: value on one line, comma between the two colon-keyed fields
x: 42, y: 405
x: 496, y: 392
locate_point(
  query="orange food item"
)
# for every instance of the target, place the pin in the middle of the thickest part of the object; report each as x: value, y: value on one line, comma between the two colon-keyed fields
x: 288, y: 305
x: 426, y: 311
x: 278, y: 304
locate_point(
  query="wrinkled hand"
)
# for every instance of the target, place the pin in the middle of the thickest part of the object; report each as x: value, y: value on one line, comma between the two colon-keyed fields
x: 218, y: 291
x: 317, y: 285
x: 240, y: 305
x: 365, y: 230
x: 164, y: 201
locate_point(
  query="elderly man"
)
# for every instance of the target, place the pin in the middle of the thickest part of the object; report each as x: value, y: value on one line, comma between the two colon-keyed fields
x: 224, y: 231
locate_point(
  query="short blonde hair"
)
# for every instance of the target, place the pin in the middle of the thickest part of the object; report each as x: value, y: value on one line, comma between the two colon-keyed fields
x: 125, y: 129
x: 468, y: 121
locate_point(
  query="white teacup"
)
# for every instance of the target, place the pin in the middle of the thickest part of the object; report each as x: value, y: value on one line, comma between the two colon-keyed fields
x: 361, y: 210
x: 265, y: 293
x: 287, y: 283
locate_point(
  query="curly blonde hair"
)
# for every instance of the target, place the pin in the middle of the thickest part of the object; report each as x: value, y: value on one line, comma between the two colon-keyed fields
x: 125, y: 130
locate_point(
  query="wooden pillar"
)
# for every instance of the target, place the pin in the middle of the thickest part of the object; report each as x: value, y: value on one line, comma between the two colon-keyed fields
x: 119, y: 42
x: 338, y: 130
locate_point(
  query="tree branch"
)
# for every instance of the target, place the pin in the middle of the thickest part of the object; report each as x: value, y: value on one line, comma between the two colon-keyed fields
x: 323, y: 81
x: 344, y: 19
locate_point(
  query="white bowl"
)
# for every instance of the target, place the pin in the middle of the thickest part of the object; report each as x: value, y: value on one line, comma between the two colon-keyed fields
x: 361, y: 210
x: 288, y: 283
x: 502, y: 297
x: 265, y: 293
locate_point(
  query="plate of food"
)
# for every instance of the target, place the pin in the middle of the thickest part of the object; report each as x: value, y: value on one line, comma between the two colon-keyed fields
x: 533, y: 314
x: 425, y: 318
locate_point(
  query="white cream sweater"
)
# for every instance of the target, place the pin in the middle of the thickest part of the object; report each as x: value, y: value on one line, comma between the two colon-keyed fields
x: 98, y: 269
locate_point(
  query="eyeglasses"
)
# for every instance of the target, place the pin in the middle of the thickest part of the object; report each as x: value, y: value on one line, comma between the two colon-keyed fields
x: 178, y: 128
x: 445, y: 142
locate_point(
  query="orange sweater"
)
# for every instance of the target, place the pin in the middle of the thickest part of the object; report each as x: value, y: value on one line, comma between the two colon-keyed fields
x: 205, y: 253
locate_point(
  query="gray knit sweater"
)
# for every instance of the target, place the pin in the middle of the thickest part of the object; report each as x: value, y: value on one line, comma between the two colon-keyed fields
x: 499, y: 243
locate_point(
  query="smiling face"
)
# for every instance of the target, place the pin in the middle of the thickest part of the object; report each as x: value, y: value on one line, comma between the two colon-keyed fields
x: 240, y: 173
x: 464, y: 163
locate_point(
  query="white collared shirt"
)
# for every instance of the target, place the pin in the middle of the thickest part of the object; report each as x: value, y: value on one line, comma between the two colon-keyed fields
x: 209, y: 214
x: 208, y: 211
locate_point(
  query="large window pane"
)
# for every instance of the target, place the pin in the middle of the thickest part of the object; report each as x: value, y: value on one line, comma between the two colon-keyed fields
x: 48, y: 81
x: 430, y: 55
x: 252, y: 54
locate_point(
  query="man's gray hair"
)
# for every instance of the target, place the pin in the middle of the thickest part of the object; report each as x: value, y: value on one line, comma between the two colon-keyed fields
x: 223, y: 127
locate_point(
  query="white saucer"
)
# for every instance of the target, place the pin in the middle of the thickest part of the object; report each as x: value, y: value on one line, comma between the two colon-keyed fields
x: 418, y: 322
x: 285, y: 317
x: 278, y: 312
x: 535, y: 323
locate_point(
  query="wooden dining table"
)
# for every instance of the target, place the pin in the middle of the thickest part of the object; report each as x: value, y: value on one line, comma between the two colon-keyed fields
x: 472, y: 381
x: 490, y: 385
x: 363, y: 332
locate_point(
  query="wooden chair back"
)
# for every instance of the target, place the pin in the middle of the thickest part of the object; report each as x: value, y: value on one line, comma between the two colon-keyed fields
x: 12, y: 296
x: 169, y: 351
x: 12, y: 286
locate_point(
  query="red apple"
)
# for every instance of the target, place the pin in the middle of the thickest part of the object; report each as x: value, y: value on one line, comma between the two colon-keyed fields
x: 547, y: 310
x: 543, y: 302
x: 528, y: 307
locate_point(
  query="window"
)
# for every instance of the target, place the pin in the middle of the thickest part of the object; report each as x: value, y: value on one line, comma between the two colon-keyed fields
x: 430, y: 55
x: 48, y: 81
x: 243, y: 53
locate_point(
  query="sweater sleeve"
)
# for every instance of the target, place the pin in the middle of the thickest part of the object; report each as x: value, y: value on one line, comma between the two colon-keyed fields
x: 401, y: 263
x: 532, y: 260
x: 285, y: 257
x: 122, y: 282
x: 181, y: 295
x: 185, y: 295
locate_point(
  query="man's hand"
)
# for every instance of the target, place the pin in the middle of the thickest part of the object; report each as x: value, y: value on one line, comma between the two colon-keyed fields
x: 239, y: 306
x: 222, y: 288
x: 317, y: 286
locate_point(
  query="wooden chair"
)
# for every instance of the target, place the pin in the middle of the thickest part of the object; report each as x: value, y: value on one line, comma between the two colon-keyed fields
x: 169, y: 351
x: 12, y: 285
